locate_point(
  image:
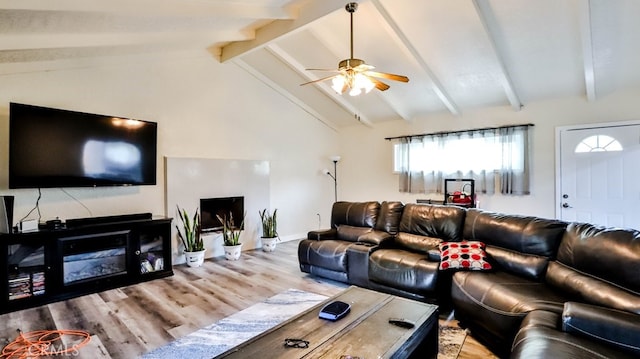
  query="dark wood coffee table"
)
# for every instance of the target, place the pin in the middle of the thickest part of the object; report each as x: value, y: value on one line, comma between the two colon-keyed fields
x: 365, y: 332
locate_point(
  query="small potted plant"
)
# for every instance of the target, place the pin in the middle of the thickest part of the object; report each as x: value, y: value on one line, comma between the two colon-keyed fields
x: 191, y: 237
x: 269, y: 230
x: 231, y: 236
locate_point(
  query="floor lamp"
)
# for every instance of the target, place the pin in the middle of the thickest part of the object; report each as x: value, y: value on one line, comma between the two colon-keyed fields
x: 334, y: 176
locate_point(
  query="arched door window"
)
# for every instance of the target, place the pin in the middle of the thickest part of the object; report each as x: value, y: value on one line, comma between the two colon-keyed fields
x: 598, y: 143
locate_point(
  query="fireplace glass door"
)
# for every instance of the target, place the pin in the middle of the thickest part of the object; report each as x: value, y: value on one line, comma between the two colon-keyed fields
x: 92, y: 257
x: 151, y: 253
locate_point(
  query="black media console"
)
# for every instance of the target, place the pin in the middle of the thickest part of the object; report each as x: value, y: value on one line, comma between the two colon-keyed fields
x: 82, y: 256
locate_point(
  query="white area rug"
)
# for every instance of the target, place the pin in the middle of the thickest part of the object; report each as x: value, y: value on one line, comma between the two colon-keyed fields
x: 239, y: 327
x: 450, y: 340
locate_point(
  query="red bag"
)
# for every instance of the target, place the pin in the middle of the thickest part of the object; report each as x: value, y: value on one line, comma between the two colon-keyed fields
x: 459, y: 197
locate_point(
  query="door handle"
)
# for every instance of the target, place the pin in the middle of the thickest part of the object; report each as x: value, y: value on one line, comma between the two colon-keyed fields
x: 566, y: 205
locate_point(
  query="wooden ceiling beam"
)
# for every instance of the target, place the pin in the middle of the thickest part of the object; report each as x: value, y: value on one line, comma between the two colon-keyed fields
x: 96, y: 40
x: 587, y: 49
x: 173, y: 8
x: 402, y: 40
x: 306, y: 14
x: 489, y: 23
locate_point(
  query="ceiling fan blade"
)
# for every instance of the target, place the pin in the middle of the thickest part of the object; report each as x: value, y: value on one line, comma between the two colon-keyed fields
x: 320, y: 80
x: 379, y: 84
x: 385, y: 75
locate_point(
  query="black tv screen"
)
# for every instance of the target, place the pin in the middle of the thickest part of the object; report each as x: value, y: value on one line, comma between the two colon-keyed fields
x: 59, y: 148
x: 223, y: 207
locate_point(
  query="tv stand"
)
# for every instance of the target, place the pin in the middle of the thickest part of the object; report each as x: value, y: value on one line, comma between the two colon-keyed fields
x: 92, y: 255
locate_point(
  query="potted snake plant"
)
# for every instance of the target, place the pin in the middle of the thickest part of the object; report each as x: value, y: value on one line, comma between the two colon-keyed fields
x: 231, y: 236
x: 191, y: 238
x: 269, y: 229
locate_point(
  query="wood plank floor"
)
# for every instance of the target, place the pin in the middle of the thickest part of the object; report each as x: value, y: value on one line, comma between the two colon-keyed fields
x: 129, y: 321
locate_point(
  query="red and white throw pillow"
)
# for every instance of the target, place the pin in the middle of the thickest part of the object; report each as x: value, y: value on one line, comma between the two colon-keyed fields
x: 465, y: 255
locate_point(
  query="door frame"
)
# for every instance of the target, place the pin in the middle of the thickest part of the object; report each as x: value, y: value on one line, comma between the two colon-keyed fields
x: 558, y: 173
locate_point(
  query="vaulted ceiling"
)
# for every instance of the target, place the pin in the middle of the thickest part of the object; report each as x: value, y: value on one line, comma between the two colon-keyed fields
x: 458, y: 54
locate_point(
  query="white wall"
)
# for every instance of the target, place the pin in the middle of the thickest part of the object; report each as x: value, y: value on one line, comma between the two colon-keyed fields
x: 204, y: 109
x: 366, y: 165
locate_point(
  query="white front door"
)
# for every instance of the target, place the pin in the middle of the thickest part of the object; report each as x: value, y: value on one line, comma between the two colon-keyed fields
x: 600, y: 175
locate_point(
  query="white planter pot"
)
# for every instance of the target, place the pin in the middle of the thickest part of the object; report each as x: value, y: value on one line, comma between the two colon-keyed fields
x: 194, y: 259
x: 232, y: 253
x: 269, y: 244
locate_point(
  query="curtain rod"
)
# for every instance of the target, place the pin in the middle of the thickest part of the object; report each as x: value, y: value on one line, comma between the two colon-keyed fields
x: 454, y: 132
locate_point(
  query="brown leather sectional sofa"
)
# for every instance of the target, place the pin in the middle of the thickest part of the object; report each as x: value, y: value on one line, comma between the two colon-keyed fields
x: 555, y: 289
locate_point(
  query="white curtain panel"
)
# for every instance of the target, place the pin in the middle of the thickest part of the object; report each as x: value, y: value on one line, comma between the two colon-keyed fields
x: 497, y: 159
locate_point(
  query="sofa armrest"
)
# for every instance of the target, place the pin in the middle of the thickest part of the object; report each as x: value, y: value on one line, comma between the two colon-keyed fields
x: 322, y: 234
x: 358, y: 263
x: 614, y: 327
x: 375, y: 237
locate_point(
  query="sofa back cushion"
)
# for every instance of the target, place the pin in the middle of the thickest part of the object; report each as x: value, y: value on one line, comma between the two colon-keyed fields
x: 351, y: 233
x: 586, y: 288
x: 526, y: 265
x: 356, y: 214
x: 417, y: 243
x: 519, y: 244
x: 389, y: 216
x: 600, y: 259
x: 430, y: 220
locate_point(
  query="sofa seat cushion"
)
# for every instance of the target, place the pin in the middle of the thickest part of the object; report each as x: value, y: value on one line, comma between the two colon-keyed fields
x: 409, y: 271
x: 329, y: 254
x: 497, y: 301
x: 540, y: 337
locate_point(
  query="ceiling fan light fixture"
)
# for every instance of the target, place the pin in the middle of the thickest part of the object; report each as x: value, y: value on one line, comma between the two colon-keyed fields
x: 363, y: 82
x: 354, y: 74
x: 355, y: 82
x: 338, y: 84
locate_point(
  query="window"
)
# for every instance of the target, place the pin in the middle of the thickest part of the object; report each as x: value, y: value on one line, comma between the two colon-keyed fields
x: 493, y: 157
x: 598, y: 143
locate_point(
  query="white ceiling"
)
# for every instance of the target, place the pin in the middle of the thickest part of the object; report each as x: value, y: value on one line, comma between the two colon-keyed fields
x: 458, y: 54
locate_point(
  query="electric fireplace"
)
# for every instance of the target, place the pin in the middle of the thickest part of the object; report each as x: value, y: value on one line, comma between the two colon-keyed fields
x: 91, y: 257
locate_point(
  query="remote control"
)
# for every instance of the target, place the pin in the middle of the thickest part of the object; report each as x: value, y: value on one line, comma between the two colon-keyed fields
x: 401, y: 322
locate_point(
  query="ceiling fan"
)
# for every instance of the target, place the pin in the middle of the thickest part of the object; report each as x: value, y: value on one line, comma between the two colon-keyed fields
x: 354, y: 74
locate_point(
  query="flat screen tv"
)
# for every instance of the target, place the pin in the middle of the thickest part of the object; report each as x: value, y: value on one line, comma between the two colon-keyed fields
x: 225, y: 206
x: 51, y: 147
